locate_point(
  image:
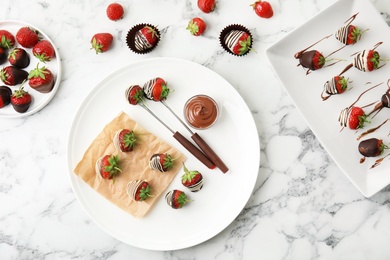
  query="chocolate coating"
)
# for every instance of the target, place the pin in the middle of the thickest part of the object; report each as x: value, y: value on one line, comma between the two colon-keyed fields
x: 369, y: 147
x: 201, y: 111
x: 386, y: 99
x: 306, y: 59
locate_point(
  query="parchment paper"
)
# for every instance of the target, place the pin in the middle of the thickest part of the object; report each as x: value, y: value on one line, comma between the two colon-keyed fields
x: 134, y: 166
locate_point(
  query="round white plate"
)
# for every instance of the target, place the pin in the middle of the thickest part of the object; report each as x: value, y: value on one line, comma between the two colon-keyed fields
x: 234, y: 138
x: 39, y: 100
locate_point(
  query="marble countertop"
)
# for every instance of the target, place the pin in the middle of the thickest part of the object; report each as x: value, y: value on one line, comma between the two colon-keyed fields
x: 302, y: 206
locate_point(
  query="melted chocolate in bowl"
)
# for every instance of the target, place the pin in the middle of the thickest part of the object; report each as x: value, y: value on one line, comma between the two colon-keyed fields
x: 201, y: 111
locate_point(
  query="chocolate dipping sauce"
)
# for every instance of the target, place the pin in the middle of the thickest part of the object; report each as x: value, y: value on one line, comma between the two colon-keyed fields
x: 201, y: 111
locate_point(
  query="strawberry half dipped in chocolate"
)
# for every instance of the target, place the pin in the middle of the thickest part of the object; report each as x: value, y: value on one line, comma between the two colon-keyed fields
x: 349, y: 34
x: 384, y: 102
x: 44, y: 51
x: 27, y: 37
x: 372, y: 147
x: 5, y: 96
x: 107, y: 167
x: 7, y: 39
x: 156, y: 89
x: 134, y: 94
x: 138, y: 190
x: 161, y: 162
x: 21, y: 100
x: 143, y: 38
x: 124, y: 140
x: 334, y: 86
x: 193, y: 180
x: 3, y: 55
x: 41, y: 79
x: 176, y: 199
x: 12, y: 75
x: 238, y: 42
x: 354, y: 117
x: 18, y: 57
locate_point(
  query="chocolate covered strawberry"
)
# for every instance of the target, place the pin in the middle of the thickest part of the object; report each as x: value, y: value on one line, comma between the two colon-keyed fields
x: 372, y: 147
x: 107, y: 167
x: 124, y: 140
x: 44, y: 51
x: 384, y: 102
x: 176, y: 199
x: 196, y: 26
x: 336, y: 85
x: 238, y: 42
x: 7, y: 39
x: 27, y: 37
x: 349, y: 33
x: 134, y: 94
x: 5, y: 96
x: 21, y: 100
x: 3, y: 55
x: 146, y: 38
x: 156, y: 89
x: 353, y: 117
x: 312, y: 60
x: 101, y: 42
x: 161, y: 162
x: 138, y: 190
x: 41, y: 79
x: 18, y: 57
x: 12, y: 75
x: 206, y: 6
x: 193, y: 180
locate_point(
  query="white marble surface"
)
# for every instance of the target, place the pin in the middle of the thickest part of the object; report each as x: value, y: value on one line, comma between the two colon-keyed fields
x: 302, y: 206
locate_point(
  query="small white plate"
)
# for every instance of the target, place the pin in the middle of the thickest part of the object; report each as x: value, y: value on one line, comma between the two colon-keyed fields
x: 305, y: 90
x: 234, y: 138
x: 39, y: 100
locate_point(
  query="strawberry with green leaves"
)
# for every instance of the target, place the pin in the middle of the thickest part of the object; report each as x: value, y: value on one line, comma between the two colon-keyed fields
x: 349, y: 33
x: 367, y: 60
x: 12, y: 75
x: 124, y: 140
x: 336, y: 85
x: 44, y: 51
x: 156, y: 89
x: 354, y: 117
x: 21, y: 100
x: 161, y: 162
x: 18, y: 57
x: 27, y: 37
x: 146, y: 38
x: 134, y: 94
x: 196, y: 26
x: 101, y: 42
x: 238, y: 42
x: 138, y: 190
x: 107, y: 167
x: 41, y: 79
x: 193, y: 180
x: 372, y: 147
x: 312, y: 60
x: 7, y: 39
x: 176, y: 199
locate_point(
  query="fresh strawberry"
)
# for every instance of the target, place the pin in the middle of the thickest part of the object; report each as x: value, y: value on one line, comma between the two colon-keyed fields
x: 41, y: 79
x: 12, y: 75
x: 176, y: 199
x: 5, y: 96
x: 27, y: 37
x: 3, y: 55
x: 206, y: 6
x: 161, y: 161
x: 19, y: 58
x: 124, y: 140
x: 44, y: 51
x: 357, y: 118
x: 107, y: 166
x: 7, y: 40
x: 139, y: 190
x: 101, y: 42
x: 193, y: 180
x: 21, y: 100
x: 196, y: 26
x: 156, y: 89
x: 372, y: 147
x: 134, y: 94
x: 114, y: 11
x: 263, y: 9
x: 149, y: 34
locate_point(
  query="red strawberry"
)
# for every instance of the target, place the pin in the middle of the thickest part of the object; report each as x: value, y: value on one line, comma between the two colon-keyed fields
x: 206, y: 6
x: 196, y: 26
x: 313, y: 60
x: 44, y: 51
x: 263, y: 9
x: 7, y: 40
x: 41, y: 79
x: 372, y: 147
x: 124, y: 140
x: 356, y: 118
x: 107, y: 166
x: 3, y: 55
x: 156, y: 89
x: 161, y: 162
x: 27, y: 37
x: 21, y: 100
x: 12, y: 76
x: 149, y: 34
x: 19, y: 58
x: 373, y: 60
x: 114, y: 11
x: 341, y: 84
x: 139, y: 190
x: 354, y: 34
x: 176, y: 199
x: 337, y: 85
x: 193, y: 180
x: 101, y: 42
x: 238, y: 42
x: 134, y: 94
x: 5, y: 96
